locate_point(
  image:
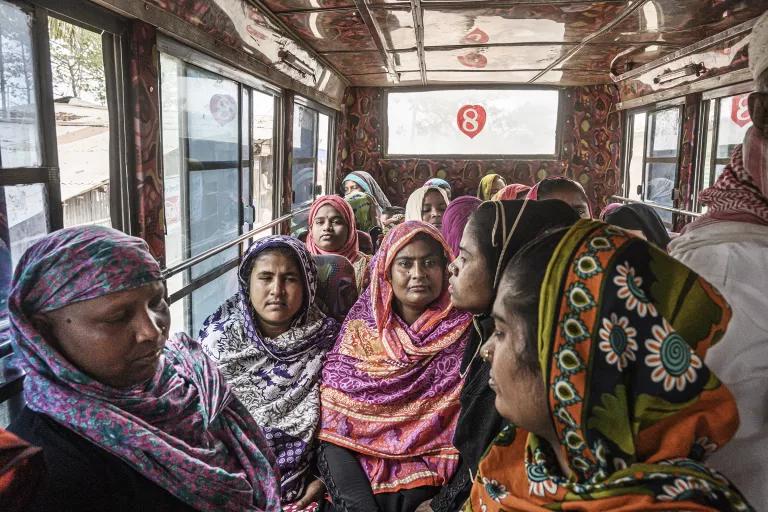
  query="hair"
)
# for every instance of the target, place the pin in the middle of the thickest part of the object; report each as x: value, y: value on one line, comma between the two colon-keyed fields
x: 393, y: 210
x: 549, y: 187
x: 480, y: 224
x: 521, y: 281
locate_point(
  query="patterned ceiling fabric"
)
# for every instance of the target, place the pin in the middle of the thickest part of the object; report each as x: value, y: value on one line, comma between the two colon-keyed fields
x: 622, y: 338
x: 591, y: 146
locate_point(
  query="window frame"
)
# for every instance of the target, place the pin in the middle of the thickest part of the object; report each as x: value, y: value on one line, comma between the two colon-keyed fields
x: 648, y: 139
x: 115, y: 55
x: 246, y: 84
x: 318, y: 109
x: 384, y: 129
x: 709, y: 100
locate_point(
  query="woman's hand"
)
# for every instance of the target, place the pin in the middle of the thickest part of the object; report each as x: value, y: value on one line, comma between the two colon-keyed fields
x: 424, y: 507
x: 314, y: 492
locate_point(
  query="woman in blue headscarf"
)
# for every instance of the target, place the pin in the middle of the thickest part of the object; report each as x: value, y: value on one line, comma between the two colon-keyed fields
x: 439, y: 183
x: 361, y: 181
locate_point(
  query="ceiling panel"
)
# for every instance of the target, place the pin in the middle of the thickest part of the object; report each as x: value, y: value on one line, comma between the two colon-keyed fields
x: 357, y: 63
x: 480, y: 77
x: 569, y: 77
x: 406, y: 61
x: 294, y: 5
x: 495, y: 57
x: 328, y: 31
x: 396, y: 27
x: 516, y: 23
x: 682, y: 22
x: 385, y: 80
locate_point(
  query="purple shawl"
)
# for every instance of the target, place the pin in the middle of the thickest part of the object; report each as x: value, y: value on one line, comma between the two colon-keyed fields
x: 182, y: 429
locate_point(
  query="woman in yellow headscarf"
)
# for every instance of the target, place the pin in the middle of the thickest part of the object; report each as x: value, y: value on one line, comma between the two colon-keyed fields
x: 489, y: 185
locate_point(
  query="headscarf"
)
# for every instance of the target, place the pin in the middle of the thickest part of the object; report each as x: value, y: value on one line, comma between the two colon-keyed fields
x: 643, y: 217
x: 455, y: 218
x: 183, y: 429
x: 608, y: 209
x: 416, y: 202
x: 514, y: 224
x: 439, y: 183
x: 336, y: 290
x: 350, y: 249
x: 534, y: 192
x: 390, y: 391
x: 510, y: 192
x: 485, y: 186
x: 740, y: 193
x: 369, y: 185
x: 276, y: 379
x: 623, y: 332
x: 22, y: 468
x: 365, y: 208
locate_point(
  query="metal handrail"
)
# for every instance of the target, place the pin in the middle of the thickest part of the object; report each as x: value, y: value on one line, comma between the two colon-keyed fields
x: 191, y: 262
x: 659, y: 206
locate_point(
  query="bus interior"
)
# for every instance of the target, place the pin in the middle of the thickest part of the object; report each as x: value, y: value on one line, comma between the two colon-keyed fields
x: 202, y: 125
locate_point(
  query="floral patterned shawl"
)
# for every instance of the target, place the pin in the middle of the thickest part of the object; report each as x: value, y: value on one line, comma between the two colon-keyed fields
x: 390, y: 391
x: 277, y: 379
x: 623, y: 331
x: 510, y: 192
x: 183, y: 429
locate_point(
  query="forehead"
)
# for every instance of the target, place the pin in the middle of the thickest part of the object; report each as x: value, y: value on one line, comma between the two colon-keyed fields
x: 275, y: 261
x: 433, y: 196
x: 327, y: 211
x: 420, y: 248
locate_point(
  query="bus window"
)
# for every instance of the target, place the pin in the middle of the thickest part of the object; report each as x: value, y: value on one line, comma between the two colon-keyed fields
x: 19, y: 117
x: 263, y: 144
x: 82, y: 122
x: 651, y: 172
x: 727, y: 122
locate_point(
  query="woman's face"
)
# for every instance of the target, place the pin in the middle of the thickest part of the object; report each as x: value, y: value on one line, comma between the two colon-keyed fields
x: 510, y: 376
x: 276, y: 291
x: 470, y: 282
x: 329, y: 231
x: 117, y: 339
x: 350, y: 186
x: 417, y: 275
x: 432, y: 208
x: 574, y: 199
x: 498, y: 184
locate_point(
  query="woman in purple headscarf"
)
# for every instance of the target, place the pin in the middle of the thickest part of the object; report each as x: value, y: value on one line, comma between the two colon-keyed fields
x: 270, y: 340
x: 127, y: 419
x: 456, y: 217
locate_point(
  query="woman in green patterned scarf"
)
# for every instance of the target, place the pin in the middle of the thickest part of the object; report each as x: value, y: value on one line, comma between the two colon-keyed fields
x: 607, y: 336
x: 366, y: 210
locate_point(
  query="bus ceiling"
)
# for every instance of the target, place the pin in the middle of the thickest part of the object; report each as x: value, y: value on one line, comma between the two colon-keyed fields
x: 319, y: 47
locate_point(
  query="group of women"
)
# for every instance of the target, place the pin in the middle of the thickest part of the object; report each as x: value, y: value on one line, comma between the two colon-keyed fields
x: 499, y: 352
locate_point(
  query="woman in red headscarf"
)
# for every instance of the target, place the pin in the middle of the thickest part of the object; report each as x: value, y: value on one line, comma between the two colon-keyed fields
x: 332, y: 230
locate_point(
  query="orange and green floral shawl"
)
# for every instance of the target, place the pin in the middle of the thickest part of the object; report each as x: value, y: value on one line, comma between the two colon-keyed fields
x: 623, y: 331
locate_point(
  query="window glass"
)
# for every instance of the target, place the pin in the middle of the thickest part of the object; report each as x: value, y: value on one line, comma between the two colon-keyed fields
x: 23, y: 221
x: 323, y: 150
x: 665, y: 133
x: 208, y: 298
x: 733, y: 124
x: 661, y: 162
x: 82, y: 122
x: 635, y: 168
x: 304, y: 155
x: 472, y: 122
x: 19, y: 119
x: 263, y: 132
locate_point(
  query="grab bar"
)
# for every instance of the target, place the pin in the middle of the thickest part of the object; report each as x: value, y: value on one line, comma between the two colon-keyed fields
x: 191, y: 262
x: 659, y: 206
